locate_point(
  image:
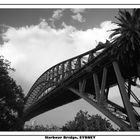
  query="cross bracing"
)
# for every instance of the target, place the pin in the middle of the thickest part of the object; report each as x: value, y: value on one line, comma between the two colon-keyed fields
x: 89, y: 76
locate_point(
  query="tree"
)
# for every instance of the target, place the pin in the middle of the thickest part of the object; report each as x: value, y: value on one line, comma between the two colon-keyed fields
x: 42, y: 128
x: 85, y: 122
x: 126, y: 38
x: 11, y: 100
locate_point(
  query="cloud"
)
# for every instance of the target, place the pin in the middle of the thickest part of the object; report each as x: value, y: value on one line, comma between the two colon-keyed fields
x: 75, y: 11
x: 34, y: 49
x: 77, y: 15
x: 57, y: 14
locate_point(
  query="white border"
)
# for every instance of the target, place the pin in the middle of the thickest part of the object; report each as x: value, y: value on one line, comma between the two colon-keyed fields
x: 86, y: 5
x: 69, y: 2
x: 43, y: 6
x: 81, y: 133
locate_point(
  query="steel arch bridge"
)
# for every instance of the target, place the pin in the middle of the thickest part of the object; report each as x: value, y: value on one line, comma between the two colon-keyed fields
x: 89, y: 76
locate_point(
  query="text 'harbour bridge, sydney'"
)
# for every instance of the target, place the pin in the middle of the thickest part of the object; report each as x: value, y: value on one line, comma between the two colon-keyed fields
x: 89, y: 76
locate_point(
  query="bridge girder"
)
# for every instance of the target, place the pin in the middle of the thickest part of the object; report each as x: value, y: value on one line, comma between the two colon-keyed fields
x: 91, y: 80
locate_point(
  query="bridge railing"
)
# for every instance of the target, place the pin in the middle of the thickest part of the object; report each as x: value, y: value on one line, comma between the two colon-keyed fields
x: 58, y: 73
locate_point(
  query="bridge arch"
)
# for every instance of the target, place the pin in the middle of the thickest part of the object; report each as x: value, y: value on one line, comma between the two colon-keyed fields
x: 88, y: 76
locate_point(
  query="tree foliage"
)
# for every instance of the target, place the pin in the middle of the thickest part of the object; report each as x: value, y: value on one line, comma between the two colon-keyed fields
x: 126, y: 38
x: 42, y: 128
x: 85, y: 122
x: 11, y: 99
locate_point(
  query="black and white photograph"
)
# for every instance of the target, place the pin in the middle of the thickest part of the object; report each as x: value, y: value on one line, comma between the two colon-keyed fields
x: 70, y: 69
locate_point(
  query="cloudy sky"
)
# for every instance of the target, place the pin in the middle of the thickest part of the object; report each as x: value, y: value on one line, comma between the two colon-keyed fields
x: 33, y: 40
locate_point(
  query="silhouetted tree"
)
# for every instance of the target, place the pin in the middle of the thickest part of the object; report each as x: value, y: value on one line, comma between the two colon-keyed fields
x: 85, y: 122
x: 11, y: 100
x: 42, y: 128
x: 126, y: 38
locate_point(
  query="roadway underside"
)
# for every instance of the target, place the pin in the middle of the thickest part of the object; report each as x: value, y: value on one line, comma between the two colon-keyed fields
x: 61, y: 95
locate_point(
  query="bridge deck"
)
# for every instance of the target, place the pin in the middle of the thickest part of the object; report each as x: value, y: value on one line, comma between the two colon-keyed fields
x: 60, y: 95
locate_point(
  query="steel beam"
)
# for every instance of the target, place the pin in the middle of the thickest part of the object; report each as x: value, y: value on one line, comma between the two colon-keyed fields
x: 125, y: 97
x: 103, y: 85
x: 90, y: 56
x: 69, y: 68
x: 134, y: 96
x: 82, y: 85
x: 129, y: 88
x: 62, y: 69
x: 79, y: 62
x: 118, y: 121
x: 97, y: 87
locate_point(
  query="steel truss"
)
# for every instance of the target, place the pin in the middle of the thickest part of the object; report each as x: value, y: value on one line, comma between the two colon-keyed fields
x: 58, y: 74
x: 72, y: 76
x: 125, y: 117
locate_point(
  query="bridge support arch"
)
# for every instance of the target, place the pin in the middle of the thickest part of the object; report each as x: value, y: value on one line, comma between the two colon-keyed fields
x: 89, y: 76
x: 101, y: 102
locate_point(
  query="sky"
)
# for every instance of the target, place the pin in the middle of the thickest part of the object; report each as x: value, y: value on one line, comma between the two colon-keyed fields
x: 33, y: 40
